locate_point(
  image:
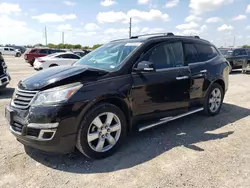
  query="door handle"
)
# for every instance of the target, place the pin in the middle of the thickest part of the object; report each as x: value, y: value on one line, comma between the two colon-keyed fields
x: 182, y: 78
x: 203, y: 71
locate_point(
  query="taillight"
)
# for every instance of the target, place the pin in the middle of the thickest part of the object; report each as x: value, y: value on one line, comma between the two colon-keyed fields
x: 41, y: 61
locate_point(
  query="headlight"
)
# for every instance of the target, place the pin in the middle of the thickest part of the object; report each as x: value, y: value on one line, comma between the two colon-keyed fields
x: 56, y: 95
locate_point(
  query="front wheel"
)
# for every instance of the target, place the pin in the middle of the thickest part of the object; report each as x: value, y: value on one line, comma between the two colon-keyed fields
x: 102, y: 131
x: 213, y: 100
x: 18, y: 55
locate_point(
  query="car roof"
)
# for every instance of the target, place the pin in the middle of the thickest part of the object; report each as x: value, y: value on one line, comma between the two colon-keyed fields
x: 162, y: 36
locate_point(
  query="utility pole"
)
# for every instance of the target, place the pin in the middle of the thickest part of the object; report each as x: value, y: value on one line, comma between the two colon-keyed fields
x: 234, y: 41
x: 130, y: 27
x: 45, y: 34
x: 63, y: 37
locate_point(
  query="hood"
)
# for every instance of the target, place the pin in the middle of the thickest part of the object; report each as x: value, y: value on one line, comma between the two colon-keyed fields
x: 61, y: 75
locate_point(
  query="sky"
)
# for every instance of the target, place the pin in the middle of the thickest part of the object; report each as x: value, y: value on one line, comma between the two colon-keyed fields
x: 89, y: 22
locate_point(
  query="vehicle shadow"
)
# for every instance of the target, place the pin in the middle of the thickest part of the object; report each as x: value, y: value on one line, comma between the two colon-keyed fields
x: 6, y: 93
x: 236, y: 72
x: 145, y: 146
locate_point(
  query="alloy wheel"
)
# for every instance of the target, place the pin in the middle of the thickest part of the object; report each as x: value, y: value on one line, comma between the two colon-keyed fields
x: 215, y: 100
x: 104, y: 132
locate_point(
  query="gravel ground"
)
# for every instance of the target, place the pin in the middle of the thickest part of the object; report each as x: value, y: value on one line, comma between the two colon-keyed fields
x: 195, y: 151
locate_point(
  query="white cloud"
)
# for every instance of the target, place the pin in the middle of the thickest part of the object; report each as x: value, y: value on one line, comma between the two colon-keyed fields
x: 148, y: 16
x: 107, y: 3
x: 187, y: 26
x: 203, y: 28
x: 136, y: 15
x: 43, y: 18
x: 240, y: 17
x: 225, y: 27
x: 201, y: 6
x: 248, y: 36
x: 193, y: 18
x: 69, y: 3
x: 64, y: 27
x: 111, y: 17
x: 147, y: 30
x: 172, y: 3
x: 213, y: 20
x: 248, y: 27
x: 113, y: 31
x: 143, y: 2
x: 10, y: 27
x: 8, y: 8
x: 248, y: 9
x: 91, y: 27
x: 239, y: 37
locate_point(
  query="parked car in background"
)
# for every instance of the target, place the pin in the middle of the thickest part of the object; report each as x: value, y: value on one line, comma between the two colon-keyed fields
x: 123, y: 86
x: 237, y: 57
x: 34, y: 53
x: 56, y: 59
x: 81, y: 53
x: 10, y: 51
x: 20, y: 48
x: 4, y: 75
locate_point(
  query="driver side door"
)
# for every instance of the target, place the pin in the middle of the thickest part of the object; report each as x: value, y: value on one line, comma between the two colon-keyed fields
x: 165, y: 90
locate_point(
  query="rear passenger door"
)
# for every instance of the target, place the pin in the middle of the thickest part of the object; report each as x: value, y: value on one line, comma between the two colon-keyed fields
x: 196, y: 57
x: 240, y: 55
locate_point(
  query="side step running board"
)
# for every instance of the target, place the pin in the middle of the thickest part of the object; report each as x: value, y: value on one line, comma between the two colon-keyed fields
x: 168, y: 119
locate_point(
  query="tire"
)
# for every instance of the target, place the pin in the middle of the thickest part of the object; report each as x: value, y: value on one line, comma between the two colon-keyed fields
x: 53, y: 65
x: 32, y: 62
x: 89, y: 148
x: 209, y: 99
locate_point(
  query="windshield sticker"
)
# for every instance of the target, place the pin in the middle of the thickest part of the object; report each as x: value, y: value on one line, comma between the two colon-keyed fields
x: 133, y: 44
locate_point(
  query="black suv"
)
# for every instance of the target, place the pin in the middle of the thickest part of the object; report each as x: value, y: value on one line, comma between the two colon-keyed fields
x: 4, y: 75
x: 127, y: 84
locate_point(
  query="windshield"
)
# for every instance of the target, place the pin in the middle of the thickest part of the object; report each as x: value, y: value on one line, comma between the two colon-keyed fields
x: 109, y: 56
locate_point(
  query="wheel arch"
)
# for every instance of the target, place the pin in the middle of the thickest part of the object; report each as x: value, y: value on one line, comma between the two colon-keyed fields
x: 115, y: 100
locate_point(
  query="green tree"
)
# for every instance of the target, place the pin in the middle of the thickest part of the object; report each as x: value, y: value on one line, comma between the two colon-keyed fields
x: 245, y: 46
x: 50, y: 45
x: 96, y: 46
x: 85, y: 47
x: 77, y: 46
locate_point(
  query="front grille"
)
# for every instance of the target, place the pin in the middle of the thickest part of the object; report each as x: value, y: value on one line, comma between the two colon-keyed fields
x: 22, y: 98
x: 17, y: 126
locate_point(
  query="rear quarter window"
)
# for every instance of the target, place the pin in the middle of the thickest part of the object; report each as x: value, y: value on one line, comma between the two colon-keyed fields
x: 206, y: 52
x: 33, y: 51
x: 191, y: 54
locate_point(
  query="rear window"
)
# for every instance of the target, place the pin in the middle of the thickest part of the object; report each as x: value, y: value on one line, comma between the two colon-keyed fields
x: 43, y: 51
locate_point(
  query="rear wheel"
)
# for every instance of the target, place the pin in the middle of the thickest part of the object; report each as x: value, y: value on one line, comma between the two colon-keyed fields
x: 102, y: 131
x: 18, y: 55
x: 213, y: 100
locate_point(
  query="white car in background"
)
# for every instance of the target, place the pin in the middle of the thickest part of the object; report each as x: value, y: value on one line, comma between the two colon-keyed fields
x: 10, y: 51
x: 56, y: 59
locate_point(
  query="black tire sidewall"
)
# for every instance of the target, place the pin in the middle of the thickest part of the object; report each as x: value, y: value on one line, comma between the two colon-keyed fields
x: 82, y: 143
x: 206, y: 104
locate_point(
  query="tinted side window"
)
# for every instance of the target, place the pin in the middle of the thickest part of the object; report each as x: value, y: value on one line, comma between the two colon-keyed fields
x: 74, y: 56
x: 191, y: 55
x: 11, y: 49
x: 243, y: 52
x: 178, y: 53
x: 6, y: 49
x: 66, y: 56
x: 43, y: 51
x: 33, y: 51
x: 206, y: 52
x: 161, y: 56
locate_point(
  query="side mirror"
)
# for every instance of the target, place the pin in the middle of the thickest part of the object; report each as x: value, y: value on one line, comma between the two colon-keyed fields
x: 144, y: 66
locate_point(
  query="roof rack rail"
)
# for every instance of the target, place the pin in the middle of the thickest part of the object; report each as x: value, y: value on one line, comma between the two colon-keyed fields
x: 164, y: 34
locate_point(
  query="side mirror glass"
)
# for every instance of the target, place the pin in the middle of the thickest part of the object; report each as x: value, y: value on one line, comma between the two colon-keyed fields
x: 144, y: 66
